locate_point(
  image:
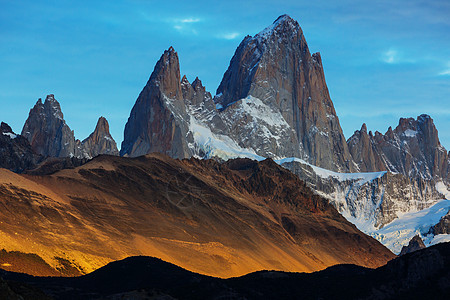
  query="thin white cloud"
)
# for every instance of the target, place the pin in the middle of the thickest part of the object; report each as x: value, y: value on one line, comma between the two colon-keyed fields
x: 185, y: 25
x: 190, y: 20
x: 229, y: 35
x: 394, y: 56
x: 390, y: 56
x: 446, y: 71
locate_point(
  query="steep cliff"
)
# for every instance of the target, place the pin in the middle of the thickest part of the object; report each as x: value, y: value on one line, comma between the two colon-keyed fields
x: 98, y: 142
x: 158, y: 122
x: 47, y: 131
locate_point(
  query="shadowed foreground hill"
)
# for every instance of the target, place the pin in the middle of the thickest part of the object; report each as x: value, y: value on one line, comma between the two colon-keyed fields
x: 424, y: 274
x: 220, y: 219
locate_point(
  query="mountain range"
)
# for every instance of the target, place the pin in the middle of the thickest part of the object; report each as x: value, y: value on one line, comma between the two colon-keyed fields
x: 272, y: 103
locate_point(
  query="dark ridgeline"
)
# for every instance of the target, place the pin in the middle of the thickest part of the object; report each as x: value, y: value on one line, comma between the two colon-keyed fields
x: 424, y: 274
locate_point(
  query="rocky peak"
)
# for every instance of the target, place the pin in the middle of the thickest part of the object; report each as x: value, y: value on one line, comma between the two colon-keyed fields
x: 363, y: 152
x: 15, y: 151
x: 284, y: 26
x: 443, y: 227
x: 47, y: 131
x: 412, y: 149
x: 5, y: 128
x: 166, y: 74
x: 99, y: 142
x: 276, y: 67
x: 363, y: 128
x: 184, y: 82
x: 196, y: 94
x: 50, y: 108
x: 197, y: 85
x: 416, y: 243
x: 156, y: 122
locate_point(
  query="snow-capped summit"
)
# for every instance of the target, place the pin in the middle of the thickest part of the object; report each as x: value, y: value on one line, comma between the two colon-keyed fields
x: 276, y: 67
x: 283, y: 23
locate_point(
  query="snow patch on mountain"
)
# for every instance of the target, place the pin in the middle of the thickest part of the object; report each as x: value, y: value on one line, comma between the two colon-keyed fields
x: 10, y: 134
x: 324, y: 173
x: 399, y: 232
x: 410, y: 133
x: 442, y: 188
x: 215, y: 145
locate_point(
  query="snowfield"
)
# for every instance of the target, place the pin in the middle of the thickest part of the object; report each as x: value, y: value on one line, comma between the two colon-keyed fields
x: 324, y: 173
x: 399, y: 232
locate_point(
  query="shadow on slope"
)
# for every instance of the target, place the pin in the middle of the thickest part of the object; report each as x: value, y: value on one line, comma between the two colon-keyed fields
x: 418, y: 275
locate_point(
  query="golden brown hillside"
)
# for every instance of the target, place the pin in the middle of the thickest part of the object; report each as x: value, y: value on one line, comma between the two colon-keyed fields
x: 218, y: 219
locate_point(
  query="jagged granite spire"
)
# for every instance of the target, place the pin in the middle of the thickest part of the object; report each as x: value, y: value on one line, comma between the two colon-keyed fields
x: 47, y: 131
x: 157, y: 121
x: 276, y: 67
x: 412, y: 149
x: 99, y: 142
x: 363, y: 151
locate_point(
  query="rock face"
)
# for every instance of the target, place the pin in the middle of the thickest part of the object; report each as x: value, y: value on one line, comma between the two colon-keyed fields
x: 272, y: 102
x: 364, y: 152
x: 415, y: 244
x: 412, y: 149
x: 16, y: 153
x: 47, y: 131
x: 443, y: 227
x: 369, y: 200
x: 50, y: 136
x: 156, y: 122
x: 276, y: 67
x: 99, y: 142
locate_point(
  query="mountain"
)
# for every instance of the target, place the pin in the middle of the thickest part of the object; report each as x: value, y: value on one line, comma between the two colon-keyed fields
x: 416, y: 243
x: 443, y: 227
x: 272, y: 102
x: 156, y: 122
x: 99, y: 142
x: 50, y: 136
x: 369, y: 200
x: 424, y: 274
x: 16, y: 153
x: 47, y: 131
x: 412, y: 149
x: 276, y: 67
x: 221, y: 219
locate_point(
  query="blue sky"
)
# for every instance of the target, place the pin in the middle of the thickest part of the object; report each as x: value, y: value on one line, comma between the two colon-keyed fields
x: 383, y: 59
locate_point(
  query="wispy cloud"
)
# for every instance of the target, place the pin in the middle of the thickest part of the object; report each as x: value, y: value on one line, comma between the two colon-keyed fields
x: 186, y: 25
x: 395, y: 56
x: 229, y: 35
x: 390, y: 56
x: 190, y: 20
x: 446, y: 71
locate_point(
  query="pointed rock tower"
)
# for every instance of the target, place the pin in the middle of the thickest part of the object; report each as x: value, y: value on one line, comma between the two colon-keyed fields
x: 364, y: 151
x: 99, y: 142
x: 276, y: 67
x: 158, y: 121
x: 47, y: 131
